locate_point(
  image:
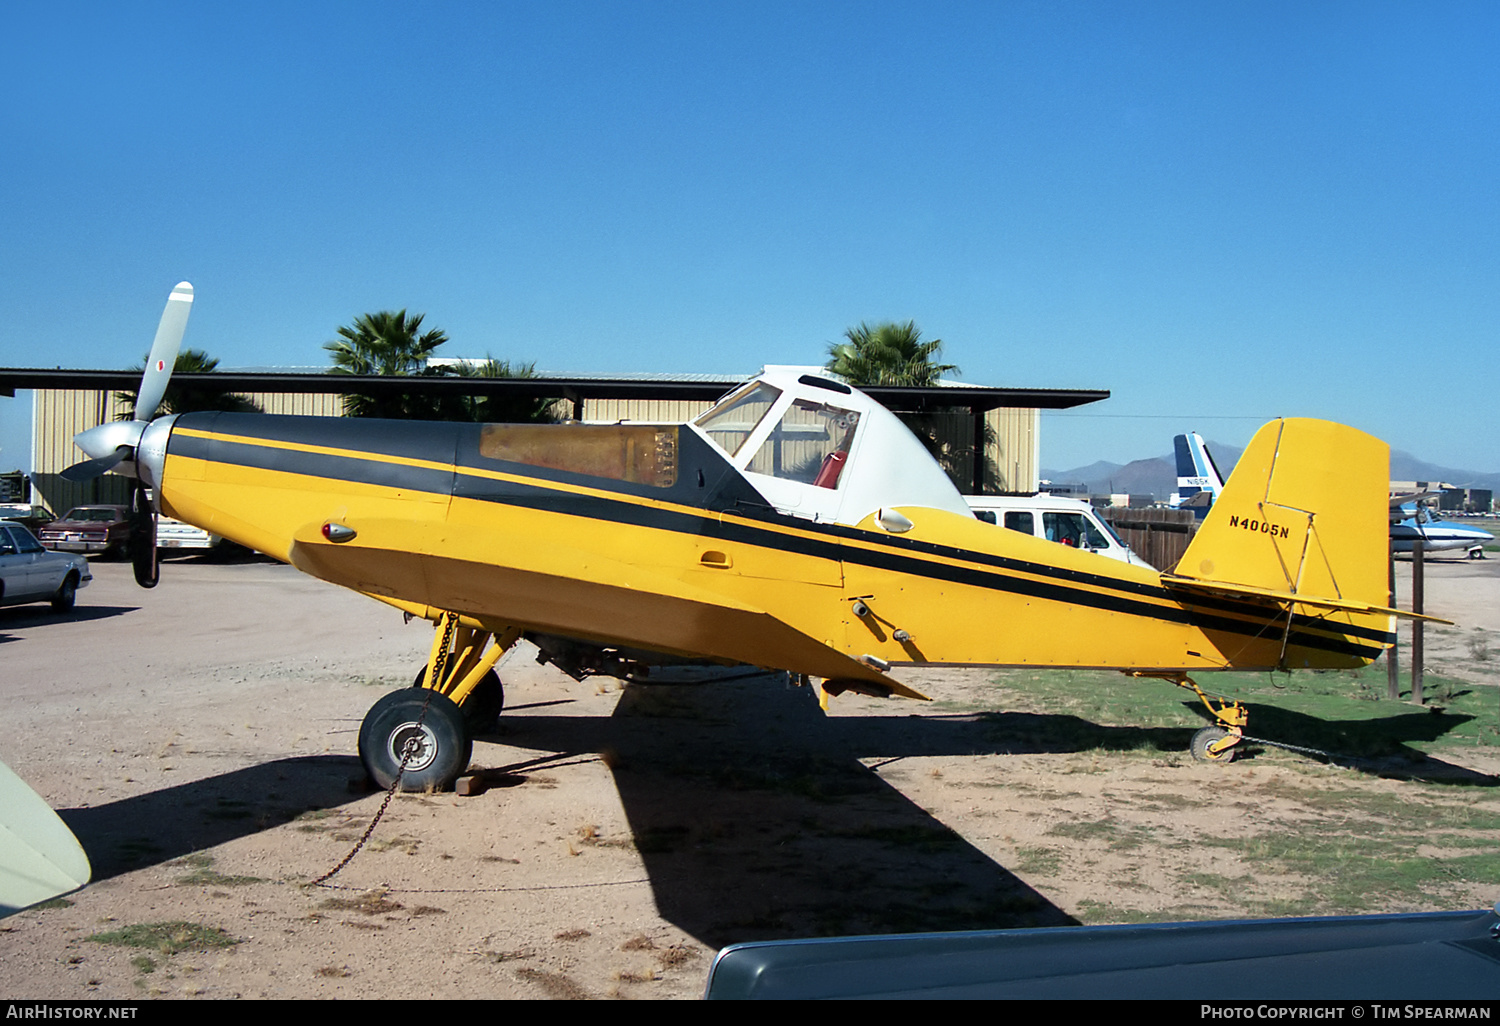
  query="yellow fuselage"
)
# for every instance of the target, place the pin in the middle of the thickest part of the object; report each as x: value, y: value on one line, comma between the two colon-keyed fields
x: 700, y: 568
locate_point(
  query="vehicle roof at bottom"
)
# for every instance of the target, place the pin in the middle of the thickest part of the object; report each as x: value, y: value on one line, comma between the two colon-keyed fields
x: 1023, y: 501
x: 1442, y: 955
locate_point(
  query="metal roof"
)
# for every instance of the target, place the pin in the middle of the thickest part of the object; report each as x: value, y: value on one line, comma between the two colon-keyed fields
x: 575, y: 388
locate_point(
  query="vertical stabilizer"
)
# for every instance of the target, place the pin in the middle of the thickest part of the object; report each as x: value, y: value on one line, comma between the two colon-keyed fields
x: 1304, y: 512
x: 1198, y: 480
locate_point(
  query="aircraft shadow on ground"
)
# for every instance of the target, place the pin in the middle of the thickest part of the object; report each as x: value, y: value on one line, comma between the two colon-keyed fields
x: 38, y: 615
x: 1381, y: 746
x: 150, y: 829
x: 750, y: 809
x: 756, y: 820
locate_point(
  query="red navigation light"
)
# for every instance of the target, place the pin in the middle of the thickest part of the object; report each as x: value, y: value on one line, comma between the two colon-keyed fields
x: 337, y: 532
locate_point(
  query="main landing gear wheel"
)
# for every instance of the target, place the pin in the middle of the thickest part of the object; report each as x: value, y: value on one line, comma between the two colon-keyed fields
x: 1206, y: 737
x: 484, y: 705
x: 440, y: 742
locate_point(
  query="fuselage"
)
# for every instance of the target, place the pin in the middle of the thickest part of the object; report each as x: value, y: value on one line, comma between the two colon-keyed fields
x: 652, y: 537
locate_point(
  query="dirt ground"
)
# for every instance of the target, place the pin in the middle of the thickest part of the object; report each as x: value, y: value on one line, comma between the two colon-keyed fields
x: 200, y: 739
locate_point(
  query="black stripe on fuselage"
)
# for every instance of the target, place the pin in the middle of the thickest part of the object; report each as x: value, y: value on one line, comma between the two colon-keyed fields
x: 722, y: 491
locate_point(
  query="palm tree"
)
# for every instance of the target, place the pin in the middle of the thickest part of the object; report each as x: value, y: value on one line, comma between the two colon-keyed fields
x: 504, y: 409
x: 895, y: 354
x: 384, y: 343
x: 180, y: 398
x: 392, y: 343
x: 888, y: 354
x: 387, y: 343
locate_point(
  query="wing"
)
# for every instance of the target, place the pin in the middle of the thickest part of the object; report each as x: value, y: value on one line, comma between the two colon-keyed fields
x: 572, y: 592
x: 39, y: 856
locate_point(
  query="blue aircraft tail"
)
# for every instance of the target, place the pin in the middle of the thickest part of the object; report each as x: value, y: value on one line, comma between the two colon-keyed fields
x: 1198, y: 479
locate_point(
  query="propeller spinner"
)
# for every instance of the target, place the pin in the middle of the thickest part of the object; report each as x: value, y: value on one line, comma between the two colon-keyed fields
x: 115, y: 445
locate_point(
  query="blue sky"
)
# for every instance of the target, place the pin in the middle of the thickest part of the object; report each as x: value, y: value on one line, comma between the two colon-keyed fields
x: 1221, y: 212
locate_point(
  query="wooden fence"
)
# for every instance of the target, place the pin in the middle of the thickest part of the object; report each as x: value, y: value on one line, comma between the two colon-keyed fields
x: 1159, y: 536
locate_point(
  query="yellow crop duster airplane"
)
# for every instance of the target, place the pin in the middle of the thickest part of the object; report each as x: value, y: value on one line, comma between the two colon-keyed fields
x: 796, y: 526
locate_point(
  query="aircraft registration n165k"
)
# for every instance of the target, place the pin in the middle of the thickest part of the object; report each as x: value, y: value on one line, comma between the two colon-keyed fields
x: 796, y: 526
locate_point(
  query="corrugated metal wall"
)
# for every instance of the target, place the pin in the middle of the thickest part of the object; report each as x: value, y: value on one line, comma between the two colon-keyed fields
x: 1011, y: 456
x: 58, y: 416
x: 650, y: 411
x: 1018, y: 448
x: 298, y: 405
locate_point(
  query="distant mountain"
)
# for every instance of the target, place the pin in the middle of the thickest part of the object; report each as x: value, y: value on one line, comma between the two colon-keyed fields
x: 1406, y: 467
x: 1158, y: 476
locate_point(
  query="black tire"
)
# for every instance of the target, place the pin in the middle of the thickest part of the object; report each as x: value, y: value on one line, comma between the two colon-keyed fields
x: 443, y: 744
x: 484, y: 705
x: 67, y: 594
x: 1206, y: 737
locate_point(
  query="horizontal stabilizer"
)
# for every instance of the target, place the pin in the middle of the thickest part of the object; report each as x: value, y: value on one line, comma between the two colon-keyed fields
x: 1243, y: 591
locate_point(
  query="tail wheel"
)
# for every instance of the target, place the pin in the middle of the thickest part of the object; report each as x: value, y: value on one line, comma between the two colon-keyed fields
x: 1204, y: 742
x: 437, y: 740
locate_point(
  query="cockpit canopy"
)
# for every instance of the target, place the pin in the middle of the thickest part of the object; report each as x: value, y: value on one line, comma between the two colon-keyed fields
x: 817, y: 448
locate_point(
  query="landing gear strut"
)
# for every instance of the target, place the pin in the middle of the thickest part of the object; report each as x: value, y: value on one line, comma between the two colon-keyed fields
x: 424, y: 735
x: 1214, y: 744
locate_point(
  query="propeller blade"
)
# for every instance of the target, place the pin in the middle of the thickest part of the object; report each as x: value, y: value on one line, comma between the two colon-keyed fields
x: 164, y: 351
x: 90, y: 469
x: 143, y: 538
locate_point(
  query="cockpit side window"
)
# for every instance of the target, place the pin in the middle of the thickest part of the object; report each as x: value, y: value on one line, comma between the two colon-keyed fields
x: 810, y: 445
x: 730, y: 423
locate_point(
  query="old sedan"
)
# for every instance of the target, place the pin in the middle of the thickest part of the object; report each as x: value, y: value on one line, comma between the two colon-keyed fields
x: 29, y: 573
x: 92, y: 529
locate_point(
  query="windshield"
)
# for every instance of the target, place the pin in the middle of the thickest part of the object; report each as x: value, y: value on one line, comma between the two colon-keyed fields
x: 730, y: 422
x: 102, y: 516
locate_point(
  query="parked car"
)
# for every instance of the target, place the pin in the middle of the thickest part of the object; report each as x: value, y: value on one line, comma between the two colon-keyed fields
x: 174, y: 534
x: 29, y: 573
x: 30, y: 516
x: 92, y: 529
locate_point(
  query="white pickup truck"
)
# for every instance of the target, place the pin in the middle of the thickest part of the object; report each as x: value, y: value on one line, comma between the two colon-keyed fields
x: 174, y: 534
x: 1070, y: 522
